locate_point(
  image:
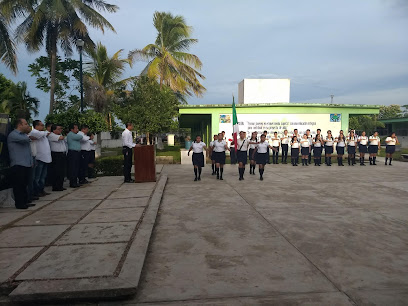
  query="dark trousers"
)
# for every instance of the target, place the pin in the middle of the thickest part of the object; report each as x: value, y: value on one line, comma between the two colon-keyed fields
x: 83, y: 165
x: 233, y: 156
x: 127, y: 162
x: 275, y: 155
x: 268, y: 157
x: 285, y: 148
x: 20, y: 177
x: 57, y: 169
x: 74, y: 158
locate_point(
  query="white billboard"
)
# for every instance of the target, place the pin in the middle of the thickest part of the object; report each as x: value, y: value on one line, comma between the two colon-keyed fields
x: 280, y: 122
x: 260, y: 91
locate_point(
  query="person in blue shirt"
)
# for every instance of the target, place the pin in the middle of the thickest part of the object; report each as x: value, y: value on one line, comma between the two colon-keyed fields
x: 74, y: 155
x: 21, y: 162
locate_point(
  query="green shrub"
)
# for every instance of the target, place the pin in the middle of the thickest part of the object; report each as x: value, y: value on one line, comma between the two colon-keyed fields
x: 109, y: 166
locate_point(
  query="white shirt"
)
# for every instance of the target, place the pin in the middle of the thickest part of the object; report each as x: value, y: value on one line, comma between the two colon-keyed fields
x: 318, y: 144
x: 341, y: 143
x: 85, y: 145
x: 92, y: 145
x: 198, y: 147
x: 305, y: 143
x: 295, y: 145
x: 392, y: 141
x: 242, y: 145
x: 329, y: 141
x: 263, y: 147
x: 374, y: 140
x: 253, y: 145
x: 351, y: 141
x: 310, y: 139
x: 211, y: 143
x: 275, y: 142
x: 56, y: 145
x: 42, y: 145
x: 33, y: 148
x: 219, y: 146
x: 127, y: 139
x: 363, y: 140
x: 285, y: 139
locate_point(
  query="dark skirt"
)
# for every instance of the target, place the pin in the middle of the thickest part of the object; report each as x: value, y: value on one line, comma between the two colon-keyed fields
x: 92, y: 157
x: 373, y: 149
x: 294, y: 152
x: 251, y: 154
x: 317, y: 151
x: 340, y: 150
x: 261, y: 158
x: 212, y: 155
x: 198, y: 159
x: 390, y: 149
x: 351, y: 150
x: 219, y: 157
x: 328, y: 149
x: 242, y: 157
x: 305, y: 150
x: 362, y: 148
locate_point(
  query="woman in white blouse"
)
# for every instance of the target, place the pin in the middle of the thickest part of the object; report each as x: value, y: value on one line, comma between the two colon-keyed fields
x: 362, y: 147
x: 198, y: 157
x: 219, y: 147
x: 275, y: 143
x: 390, y: 141
x: 374, y: 147
x: 261, y: 152
x: 351, y: 149
x: 317, y: 150
x: 328, y: 147
x: 305, y: 144
x: 294, y: 151
x: 340, y: 147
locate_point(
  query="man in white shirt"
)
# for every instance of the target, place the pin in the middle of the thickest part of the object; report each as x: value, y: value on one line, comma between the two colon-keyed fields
x: 128, y: 145
x: 43, y: 158
x: 310, y: 139
x: 85, y: 152
x: 58, y: 154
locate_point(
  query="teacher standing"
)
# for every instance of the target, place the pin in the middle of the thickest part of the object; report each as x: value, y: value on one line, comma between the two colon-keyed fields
x: 127, y: 150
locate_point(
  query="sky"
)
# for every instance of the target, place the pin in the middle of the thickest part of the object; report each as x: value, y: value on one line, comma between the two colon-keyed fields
x: 354, y: 50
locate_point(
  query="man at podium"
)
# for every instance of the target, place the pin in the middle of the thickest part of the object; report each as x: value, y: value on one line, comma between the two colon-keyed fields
x: 128, y: 145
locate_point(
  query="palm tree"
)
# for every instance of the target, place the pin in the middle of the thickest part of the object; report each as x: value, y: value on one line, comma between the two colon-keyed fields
x: 7, y: 46
x: 167, y: 60
x: 57, y: 24
x: 21, y: 104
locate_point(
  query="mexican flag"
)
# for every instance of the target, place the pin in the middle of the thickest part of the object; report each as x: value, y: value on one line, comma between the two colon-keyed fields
x: 235, y: 126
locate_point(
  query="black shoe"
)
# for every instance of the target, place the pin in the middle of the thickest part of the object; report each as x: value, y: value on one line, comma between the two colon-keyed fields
x: 22, y: 207
x: 213, y: 173
x: 34, y: 198
x: 83, y: 182
x: 240, y: 178
x: 261, y: 178
x: 30, y: 205
x: 199, y: 178
x: 126, y: 181
x: 58, y: 189
x: 221, y: 179
x: 390, y: 164
x: 218, y: 176
x: 374, y: 164
x: 195, y: 180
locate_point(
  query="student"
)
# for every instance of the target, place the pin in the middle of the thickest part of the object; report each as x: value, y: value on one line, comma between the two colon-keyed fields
x: 341, y: 144
x: 362, y: 147
x: 285, y: 146
x: 328, y: 148
x: 268, y: 157
x: 304, y: 143
x: 295, y: 133
x: 294, y: 151
x: 262, y: 154
x: 390, y: 141
x: 233, y: 156
x: 212, y: 155
x: 351, y: 148
x: 252, y: 146
x: 275, y: 144
x: 317, y: 150
x: 219, y: 148
x: 198, y: 157
x: 374, y: 147
x: 242, y: 153
x: 310, y: 138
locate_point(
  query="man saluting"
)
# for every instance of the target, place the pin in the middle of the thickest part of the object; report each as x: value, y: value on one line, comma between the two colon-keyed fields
x: 128, y: 145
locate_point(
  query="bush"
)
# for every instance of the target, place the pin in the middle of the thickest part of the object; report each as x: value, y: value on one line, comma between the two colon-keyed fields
x: 109, y: 166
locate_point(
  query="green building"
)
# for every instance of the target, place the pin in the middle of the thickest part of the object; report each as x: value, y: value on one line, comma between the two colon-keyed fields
x: 400, y: 127
x: 206, y: 120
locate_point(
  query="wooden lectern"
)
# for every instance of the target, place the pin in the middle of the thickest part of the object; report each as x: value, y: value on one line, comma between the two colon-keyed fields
x: 145, y: 164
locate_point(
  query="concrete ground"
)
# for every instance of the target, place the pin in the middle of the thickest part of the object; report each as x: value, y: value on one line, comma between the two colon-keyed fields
x: 305, y: 235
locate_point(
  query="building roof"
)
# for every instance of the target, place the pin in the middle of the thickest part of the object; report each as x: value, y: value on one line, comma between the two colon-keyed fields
x: 394, y: 120
x: 283, y: 104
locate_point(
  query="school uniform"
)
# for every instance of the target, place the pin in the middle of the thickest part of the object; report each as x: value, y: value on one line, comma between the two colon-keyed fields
x: 242, y: 153
x: 198, y: 155
x: 285, y: 148
x: 219, y: 156
x: 373, y: 148
x: 305, y: 149
x: 328, y: 149
x: 317, y: 152
x: 275, y: 154
x: 363, y: 140
x: 294, y: 152
x: 341, y: 144
x: 262, y: 153
x: 211, y: 145
x: 310, y: 139
x: 390, y: 148
x: 351, y: 150
x: 252, y: 148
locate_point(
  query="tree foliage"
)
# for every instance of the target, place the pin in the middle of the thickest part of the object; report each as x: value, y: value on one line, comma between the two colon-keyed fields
x: 149, y: 108
x: 368, y: 123
x: 390, y: 111
x: 7, y: 46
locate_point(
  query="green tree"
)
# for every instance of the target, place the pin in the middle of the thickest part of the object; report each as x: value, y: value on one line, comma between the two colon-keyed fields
x: 167, y: 60
x: 405, y: 110
x: 20, y: 102
x: 57, y: 24
x: 390, y: 111
x: 7, y: 46
x: 6, y: 87
x: 368, y: 123
x: 149, y: 108
x: 66, y: 80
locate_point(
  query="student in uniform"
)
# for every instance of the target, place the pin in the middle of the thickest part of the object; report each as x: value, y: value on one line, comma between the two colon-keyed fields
x: 268, y: 158
x: 294, y: 151
x: 212, y: 155
x: 351, y: 148
x: 328, y: 148
x: 242, y: 153
x: 275, y: 144
x: 285, y: 146
x: 317, y: 150
x: 362, y: 147
x: 304, y: 143
x: 341, y: 144
x: 310, y: 138
x: 390, y: 141
x: 374, y: 147
x: 219, y: 148
x: 252, y: 146
x: 262, y: 154
x: 198, y: 157
x: 233, y: 156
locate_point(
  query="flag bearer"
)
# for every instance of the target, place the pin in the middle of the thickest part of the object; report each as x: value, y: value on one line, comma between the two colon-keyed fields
x: 391, y: 141
x: 294, y: 151
x: 317, y: 150
x: 374, y: 147
x: 212, y: 155
x: 242, y: 154
x: 275, y: 144
x: 262, y: 154
x: 198, y: 157
x: 219, y: 148
x: 252, y: 146
x: 285, y: 146
x: 328, y: 147
x: 351, y: 148
x: 362, y: 147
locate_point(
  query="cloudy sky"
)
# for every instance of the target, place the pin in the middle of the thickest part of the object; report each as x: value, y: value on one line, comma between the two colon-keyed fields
x: 355, y: 50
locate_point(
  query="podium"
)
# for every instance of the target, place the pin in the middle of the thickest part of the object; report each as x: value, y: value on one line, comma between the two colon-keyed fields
x: 145, y: 164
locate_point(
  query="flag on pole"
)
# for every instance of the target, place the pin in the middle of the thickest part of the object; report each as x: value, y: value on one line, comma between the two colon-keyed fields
x: 235, y: 126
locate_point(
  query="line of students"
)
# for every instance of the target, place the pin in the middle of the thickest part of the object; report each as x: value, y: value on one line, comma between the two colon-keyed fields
x: 259, y: 150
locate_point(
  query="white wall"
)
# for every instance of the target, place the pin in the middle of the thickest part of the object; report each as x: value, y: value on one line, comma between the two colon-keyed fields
x: 256, y: 91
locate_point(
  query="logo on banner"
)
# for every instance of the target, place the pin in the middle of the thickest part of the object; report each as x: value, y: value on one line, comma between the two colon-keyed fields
x: 335, y: 117
x: 225, y: 118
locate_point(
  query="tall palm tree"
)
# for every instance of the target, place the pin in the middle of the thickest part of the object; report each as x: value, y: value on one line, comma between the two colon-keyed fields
x: 21, y: 104
x: 167, y: 60
x: 57, y: 24
x: 7, y: 46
